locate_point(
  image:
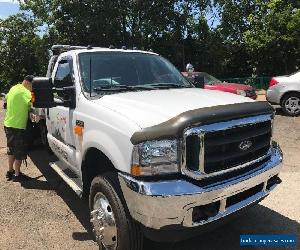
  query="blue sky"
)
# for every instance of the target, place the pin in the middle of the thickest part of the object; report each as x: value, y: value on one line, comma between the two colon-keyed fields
x: 8, y: 7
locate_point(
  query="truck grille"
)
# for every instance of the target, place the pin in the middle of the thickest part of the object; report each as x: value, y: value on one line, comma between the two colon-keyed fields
x: 223, y: 146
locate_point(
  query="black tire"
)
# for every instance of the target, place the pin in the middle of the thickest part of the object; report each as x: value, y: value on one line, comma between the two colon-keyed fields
x: 43, y: 132
x: 129, y: 234
x: 286, y: 101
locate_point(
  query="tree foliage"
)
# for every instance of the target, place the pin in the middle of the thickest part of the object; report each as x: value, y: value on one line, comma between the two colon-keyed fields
x: 227, y: 38
x: 21, y: 50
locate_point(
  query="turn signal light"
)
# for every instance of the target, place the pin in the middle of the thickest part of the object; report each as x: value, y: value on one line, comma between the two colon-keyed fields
x: 136, y: 170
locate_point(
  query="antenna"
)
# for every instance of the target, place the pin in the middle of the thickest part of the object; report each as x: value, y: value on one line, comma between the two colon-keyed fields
x: 90, y: 76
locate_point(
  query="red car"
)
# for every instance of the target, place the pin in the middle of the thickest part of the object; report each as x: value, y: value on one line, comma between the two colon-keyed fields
x: 210, y: 82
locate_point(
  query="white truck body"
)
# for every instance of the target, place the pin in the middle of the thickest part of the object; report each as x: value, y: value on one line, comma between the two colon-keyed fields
x: 119, y: 128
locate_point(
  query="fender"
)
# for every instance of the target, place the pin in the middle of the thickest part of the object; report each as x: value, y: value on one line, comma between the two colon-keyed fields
x: 118, y: 152
x: 288, y: 88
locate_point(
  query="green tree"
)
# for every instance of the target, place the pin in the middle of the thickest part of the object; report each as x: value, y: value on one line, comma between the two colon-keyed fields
x: 249, y: 36
x: 21, y: 50
x: 261, y: 36
x: 101, y: 23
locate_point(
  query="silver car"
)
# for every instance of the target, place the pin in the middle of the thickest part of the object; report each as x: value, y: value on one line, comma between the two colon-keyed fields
x: 285, y: 91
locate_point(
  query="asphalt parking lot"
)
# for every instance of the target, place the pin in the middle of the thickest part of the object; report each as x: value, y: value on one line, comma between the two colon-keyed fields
x: 45, y: 213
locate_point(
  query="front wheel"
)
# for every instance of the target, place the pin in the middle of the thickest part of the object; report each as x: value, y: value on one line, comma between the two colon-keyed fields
x: 291, y: 104
x: 112, y: 224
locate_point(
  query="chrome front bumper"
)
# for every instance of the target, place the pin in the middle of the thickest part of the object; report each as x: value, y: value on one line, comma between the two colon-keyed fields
x: 163, y: 203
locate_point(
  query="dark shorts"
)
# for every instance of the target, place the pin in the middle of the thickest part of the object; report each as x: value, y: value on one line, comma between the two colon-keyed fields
x: 16, y: 143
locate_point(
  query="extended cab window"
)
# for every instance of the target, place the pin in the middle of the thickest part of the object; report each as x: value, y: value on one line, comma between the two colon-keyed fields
x: 63, y: 76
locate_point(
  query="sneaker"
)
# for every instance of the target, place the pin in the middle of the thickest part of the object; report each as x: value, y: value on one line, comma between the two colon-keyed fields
x: 20, y: 178
x: 9, y: 175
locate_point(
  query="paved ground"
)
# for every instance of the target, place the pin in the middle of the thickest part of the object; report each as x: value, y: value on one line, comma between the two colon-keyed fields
x: 45, y: 214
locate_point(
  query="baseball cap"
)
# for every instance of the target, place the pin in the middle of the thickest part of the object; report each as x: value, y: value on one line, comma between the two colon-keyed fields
x: 29, y: 78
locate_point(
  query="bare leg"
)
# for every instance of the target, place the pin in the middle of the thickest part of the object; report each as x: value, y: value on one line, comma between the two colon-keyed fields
x: 17, y: 167
x: 11, y: 160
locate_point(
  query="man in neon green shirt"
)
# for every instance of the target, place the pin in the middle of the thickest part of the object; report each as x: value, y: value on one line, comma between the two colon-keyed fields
x: 18, y: 105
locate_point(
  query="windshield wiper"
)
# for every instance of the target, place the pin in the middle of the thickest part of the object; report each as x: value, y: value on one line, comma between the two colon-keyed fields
x: 168, y: 85
x: 123, y: 87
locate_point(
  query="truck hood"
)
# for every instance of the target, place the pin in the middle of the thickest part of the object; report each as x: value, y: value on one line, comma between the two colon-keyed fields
x: 149, y: 108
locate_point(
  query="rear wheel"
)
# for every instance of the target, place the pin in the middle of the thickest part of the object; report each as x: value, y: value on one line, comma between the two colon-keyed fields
x: 112, y: 224
x: 291, y: 104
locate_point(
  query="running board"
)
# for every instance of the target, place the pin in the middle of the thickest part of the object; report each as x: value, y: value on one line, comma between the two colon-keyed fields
x: 66, y: 178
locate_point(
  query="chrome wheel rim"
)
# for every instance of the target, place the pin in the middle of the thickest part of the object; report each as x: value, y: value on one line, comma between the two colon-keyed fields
x: 104, y: 223
x: 292, y: 105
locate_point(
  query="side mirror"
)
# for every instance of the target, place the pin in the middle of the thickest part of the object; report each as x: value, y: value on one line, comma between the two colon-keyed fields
x: 42, y: 93
x: 199, y: 81
x: 63, y: 82
x: 67, y: 96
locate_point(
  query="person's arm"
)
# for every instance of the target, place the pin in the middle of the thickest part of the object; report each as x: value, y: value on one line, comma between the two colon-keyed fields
x: 27, y: 99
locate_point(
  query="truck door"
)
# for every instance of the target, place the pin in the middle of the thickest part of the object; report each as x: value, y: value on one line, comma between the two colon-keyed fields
x: 60, y: 120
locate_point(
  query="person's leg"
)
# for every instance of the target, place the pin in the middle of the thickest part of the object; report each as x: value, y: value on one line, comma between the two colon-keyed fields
x: 20, y: 154
x: 11, y: 171
x: 11, y: 157
x: 11, y: 160
x: 17, y: 167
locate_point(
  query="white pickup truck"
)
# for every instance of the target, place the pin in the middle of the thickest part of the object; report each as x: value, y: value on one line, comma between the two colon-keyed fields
x: 156, y: 156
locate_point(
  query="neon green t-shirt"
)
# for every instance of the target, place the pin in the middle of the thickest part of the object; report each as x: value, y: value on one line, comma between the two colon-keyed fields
x: 18, y: 104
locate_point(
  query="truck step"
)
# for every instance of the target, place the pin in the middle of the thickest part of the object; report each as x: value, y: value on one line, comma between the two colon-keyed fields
x: 71, y: 183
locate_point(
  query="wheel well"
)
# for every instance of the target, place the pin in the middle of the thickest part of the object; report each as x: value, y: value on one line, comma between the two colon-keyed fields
x: 288, y: 93
x: 94, y: 163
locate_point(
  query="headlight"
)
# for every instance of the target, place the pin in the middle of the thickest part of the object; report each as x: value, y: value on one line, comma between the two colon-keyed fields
x: 241, y: 92
x: 155, y: 157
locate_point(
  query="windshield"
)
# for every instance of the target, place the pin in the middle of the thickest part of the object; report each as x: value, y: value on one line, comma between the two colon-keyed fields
x: 127, y: 71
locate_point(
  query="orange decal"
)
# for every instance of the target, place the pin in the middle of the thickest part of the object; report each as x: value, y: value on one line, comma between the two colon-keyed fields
x: 78, y: 130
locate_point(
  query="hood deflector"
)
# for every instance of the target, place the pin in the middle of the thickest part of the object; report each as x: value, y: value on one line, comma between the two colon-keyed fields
x: 174, y: 127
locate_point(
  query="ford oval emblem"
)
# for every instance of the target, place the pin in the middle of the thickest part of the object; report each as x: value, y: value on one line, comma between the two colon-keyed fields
x: 245, y: 145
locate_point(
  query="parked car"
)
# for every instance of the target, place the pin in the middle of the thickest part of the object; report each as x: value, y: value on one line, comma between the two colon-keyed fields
x: 212, y: 83
x: 156, y: 156
x: 285, y: 91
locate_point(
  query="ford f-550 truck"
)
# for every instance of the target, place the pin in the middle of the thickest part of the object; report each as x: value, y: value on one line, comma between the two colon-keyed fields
x: 156, y: 156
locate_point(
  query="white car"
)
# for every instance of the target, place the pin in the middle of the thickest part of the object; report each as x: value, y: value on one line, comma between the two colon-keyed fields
x: 155, y: 155
x: 285, y: 91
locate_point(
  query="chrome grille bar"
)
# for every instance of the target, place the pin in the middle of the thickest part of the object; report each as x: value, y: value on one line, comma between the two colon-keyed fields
x: 198, y: 172
x: 201, y: 152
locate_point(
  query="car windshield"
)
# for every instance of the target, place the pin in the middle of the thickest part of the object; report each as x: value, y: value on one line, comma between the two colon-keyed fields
x: 127, y: 71
x: 209, y: 79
